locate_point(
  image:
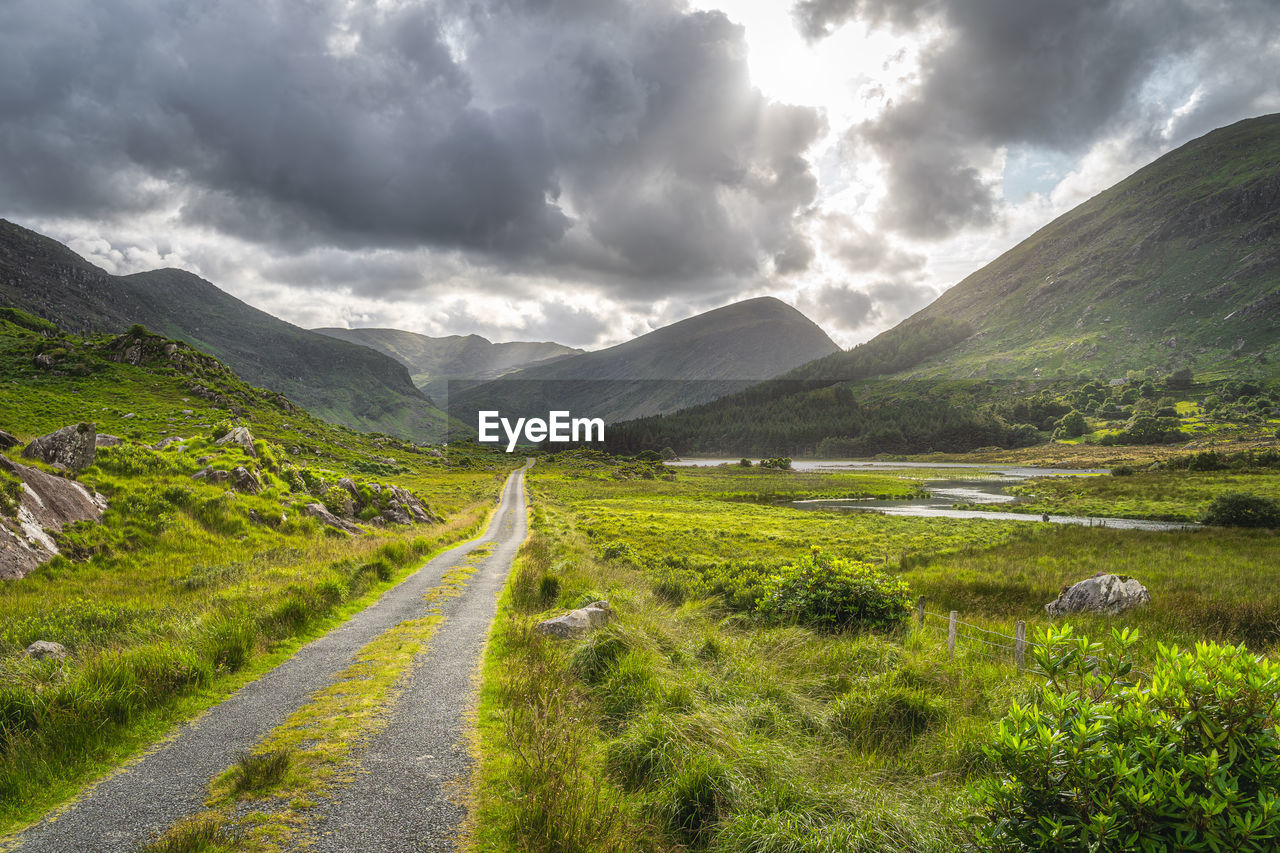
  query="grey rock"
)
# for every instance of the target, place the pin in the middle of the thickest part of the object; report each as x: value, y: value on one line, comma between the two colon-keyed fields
x: 166, y: 442
x: 42, y: 649
x: 47, y: 503
x: 129, y: 416
x: 104, y: 440
x: 1103, y: 593
x: 8, y: 440
x: 74, y: 446
x: 242, y: 438
x: 317, y: 511
x: 44, y: 361
x: 576, y: 622
x: 244, y: 481
x: 349, y: 486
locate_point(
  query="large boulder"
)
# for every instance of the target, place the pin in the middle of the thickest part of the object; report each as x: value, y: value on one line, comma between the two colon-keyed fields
x: 242, y: 438
x: 575, y: 622
x: 8, y: 440
x: 104, y: 440
x: 318, y: 511
x: 1103, y: 593
x: 46, y: 503
x: 74, y: 446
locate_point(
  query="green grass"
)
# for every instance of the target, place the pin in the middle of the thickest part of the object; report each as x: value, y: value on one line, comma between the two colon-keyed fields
x: 691, y: 723
x: 1169, y: 495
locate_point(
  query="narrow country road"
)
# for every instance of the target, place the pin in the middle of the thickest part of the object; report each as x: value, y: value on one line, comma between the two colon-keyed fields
x: 124, y: 810
x: 404, y: 795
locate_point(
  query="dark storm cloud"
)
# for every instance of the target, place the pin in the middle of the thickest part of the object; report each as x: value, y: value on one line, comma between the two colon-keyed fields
x: 673, y: 165
x: 1057, y: 75
x: 616, y: 137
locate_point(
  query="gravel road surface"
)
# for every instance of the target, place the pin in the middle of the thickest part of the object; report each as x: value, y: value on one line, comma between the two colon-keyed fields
x: 404, y: 795
x: 147, y: 797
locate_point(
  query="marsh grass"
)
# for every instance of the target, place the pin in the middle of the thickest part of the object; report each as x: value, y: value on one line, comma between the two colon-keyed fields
x: 257, y: 772
x: 197, y: 835
x: 689, y: 728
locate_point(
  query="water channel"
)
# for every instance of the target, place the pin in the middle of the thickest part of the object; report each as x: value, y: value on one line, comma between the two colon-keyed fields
x: 943, y: 495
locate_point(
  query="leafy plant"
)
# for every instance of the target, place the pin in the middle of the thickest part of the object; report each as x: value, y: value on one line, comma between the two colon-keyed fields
x: 1098, y: 761
x: 1238, y: 509
x: 836, y: 594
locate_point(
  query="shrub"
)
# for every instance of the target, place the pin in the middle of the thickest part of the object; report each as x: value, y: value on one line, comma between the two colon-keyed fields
x: 744, y: 462
x: 1122, y: 471
x: 1071, y: 425
x: 836, y: 594
x: 1238, y: 509
x: 1190, y: 761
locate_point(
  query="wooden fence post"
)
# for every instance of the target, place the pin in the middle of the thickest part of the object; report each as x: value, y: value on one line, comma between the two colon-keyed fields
x: 951, y: 634
x: 1020, y: 646
x: 920, y: 613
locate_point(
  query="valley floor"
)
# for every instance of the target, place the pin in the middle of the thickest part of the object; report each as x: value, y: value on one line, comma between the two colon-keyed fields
x: 693, y: 722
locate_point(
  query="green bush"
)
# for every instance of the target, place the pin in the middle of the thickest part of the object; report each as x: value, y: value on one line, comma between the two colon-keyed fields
x: 1122, y: 471
x: 835, y: 594
x: 1238, y: 509
x: 1188, y: 761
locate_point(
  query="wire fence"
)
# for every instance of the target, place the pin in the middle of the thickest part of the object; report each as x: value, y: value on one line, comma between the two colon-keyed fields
x: 992, y: 645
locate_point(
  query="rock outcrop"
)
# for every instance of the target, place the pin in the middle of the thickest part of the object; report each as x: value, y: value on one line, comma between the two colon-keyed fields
x: 318, y: 512
x: 74, y: 446
x: 244, y: 481
x: 8, y: 440
x: 576, y: 622
x: 105, y: 440
x: 242, y: 438
x: 1103, y: 593
x: 46, y: 503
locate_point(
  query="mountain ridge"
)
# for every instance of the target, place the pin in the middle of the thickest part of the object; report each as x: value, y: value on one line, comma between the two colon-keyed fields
x: 692, y: 360
x: 1174, y: 270
x: 434, y: 361
x: 342, y: 382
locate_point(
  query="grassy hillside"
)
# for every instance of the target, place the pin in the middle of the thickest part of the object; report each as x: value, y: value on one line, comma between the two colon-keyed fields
x: 188, y: 587
x: 434, y: 362
x: 1177, y: 266
x: 686, y: 363
x: 341, y: 382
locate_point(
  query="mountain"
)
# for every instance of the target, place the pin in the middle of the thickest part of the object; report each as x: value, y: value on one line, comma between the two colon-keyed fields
x: 434, y: 362
x: 1175, y: 268
x: 339, y: 381
x: 686, y: 363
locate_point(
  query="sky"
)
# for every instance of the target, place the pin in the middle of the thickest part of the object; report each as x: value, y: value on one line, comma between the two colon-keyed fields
x: 588, y: 170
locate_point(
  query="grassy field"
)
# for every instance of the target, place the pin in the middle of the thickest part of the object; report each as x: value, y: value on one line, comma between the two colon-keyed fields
x: 693, y: 723
x: 1167, y: 495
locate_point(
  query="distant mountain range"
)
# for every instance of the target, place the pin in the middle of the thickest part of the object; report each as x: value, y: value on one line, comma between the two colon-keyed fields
x: 339, y: 381
x: 680, y: 365
x: 434, y: 362
x: 1175, y: 268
